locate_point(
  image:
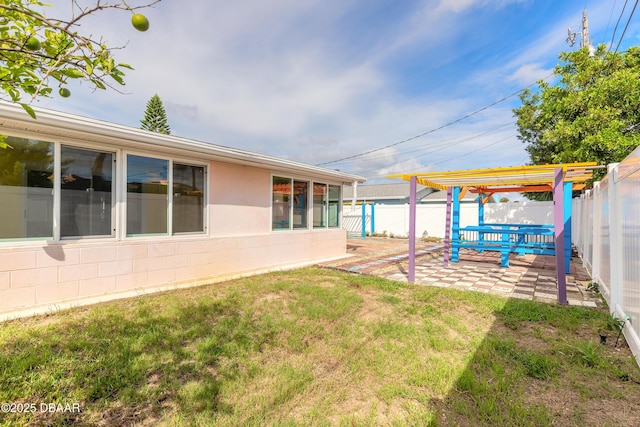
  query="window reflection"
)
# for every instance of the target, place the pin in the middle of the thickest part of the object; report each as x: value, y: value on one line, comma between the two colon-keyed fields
x: 86, y: 192
x: 334, y: 205
x: 188, y: 198
x: 147, y: 204
x: 26, y: 182
x: 319, y: 205
x: 281, y: 203
x: 300, y: 191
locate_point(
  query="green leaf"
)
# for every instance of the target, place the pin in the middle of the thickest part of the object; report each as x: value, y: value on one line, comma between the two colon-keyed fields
x: 3, y: 142
x: 29, y: 110
x: 125, y: 66
x: 72, y: 73
x: 117, y: 78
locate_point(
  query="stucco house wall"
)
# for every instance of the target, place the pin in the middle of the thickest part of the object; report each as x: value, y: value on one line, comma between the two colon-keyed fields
x: 40, y: 275
x: 240, y: 200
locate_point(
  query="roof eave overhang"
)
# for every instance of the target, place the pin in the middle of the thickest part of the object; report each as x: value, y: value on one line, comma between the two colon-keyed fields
x: 57, y: 124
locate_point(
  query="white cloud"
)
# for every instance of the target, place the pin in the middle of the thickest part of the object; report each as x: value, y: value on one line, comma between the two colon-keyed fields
x: 529, y: 73
x: 314, y: 81
x: 458, y: 6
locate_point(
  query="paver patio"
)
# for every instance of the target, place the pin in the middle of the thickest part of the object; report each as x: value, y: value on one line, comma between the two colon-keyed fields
x: 531, y: 277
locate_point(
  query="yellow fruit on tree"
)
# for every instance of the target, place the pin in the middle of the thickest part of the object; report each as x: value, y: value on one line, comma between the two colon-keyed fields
x: 140, y: 22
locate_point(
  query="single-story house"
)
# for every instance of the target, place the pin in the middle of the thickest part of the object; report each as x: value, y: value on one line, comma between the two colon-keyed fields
x: 387, y: 194
x: 93, y: 210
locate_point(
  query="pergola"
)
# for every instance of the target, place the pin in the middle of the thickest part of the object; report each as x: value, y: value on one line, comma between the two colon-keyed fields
x: 561, y: 179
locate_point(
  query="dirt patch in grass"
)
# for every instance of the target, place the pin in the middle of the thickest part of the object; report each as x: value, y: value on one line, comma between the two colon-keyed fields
x: 604, y: 411
x: 373, y: 310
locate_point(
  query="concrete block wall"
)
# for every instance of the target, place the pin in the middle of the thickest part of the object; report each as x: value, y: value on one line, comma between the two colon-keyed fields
x: 35, y: 279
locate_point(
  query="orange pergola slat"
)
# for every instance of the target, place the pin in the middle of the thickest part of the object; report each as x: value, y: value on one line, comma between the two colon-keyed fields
x: 505, y: 178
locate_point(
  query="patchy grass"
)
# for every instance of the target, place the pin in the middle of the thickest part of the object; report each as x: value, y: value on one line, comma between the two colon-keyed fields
x: 318, y: 347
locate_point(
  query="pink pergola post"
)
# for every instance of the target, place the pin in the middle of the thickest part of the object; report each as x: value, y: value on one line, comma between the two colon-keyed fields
x: 412, y: 229
x: 558, y: 226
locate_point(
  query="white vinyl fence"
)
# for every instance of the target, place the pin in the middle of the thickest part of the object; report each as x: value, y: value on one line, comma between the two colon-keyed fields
x: 430, y: 218
x: 606, y: 224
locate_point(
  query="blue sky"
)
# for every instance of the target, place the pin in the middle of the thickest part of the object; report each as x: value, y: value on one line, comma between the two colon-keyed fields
x: 316, y: 81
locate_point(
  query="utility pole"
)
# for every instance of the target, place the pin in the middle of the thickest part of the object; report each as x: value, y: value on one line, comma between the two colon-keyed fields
x: 584, y: 35
x: 585, y: 30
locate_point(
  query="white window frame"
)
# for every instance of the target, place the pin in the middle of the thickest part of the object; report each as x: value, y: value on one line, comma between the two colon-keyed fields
x: 339, y: 213
x: 118, y: 191
x: 205, y: 197
x: 171, y: 160
x: 57, y: 190
x: 310, y: 203
x: 325, y: 210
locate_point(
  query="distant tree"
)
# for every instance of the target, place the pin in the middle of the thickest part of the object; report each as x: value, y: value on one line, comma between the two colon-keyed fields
x: 591, y: 114
x: 504, y: 199
x: 155, y: 116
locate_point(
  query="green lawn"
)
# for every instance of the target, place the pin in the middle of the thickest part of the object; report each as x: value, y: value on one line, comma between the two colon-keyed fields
x: 319, y: 347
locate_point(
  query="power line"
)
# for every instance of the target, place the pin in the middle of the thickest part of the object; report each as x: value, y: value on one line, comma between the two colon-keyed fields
x: 365, y: 174
x: 627, y: 25
x: 613, y: 8
x: 617, y: 23
x: 608, y: 58
x: 494, y: 103
x: 432, y: 130
x: 490, y: 105
x: 476, y: 150
x: 474, y: 112
x: 441, y: 144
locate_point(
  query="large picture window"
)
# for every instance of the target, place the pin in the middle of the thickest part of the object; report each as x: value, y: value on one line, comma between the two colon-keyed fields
x: 289, y: 204
x: 295, y: 203
x: 147, y: 196
x: 52, y: 190
x: 188, y: 198
x: 86, y: 193
x: 281, y: 203
x: 26, y: 182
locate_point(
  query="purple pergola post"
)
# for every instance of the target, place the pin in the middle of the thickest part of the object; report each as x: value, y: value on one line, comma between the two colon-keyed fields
x: 412, y: 229
x: 447, y: 229
x: 558, y: 226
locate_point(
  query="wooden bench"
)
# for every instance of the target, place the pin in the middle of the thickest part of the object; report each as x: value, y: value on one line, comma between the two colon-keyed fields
x: 505, y: 238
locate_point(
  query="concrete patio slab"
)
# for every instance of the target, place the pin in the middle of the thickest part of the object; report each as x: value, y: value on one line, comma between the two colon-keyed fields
x: 530, y: 277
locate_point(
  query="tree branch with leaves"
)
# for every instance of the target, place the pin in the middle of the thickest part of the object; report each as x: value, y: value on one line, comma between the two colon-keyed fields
x: 39, y: 53
x: 592, y: 112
